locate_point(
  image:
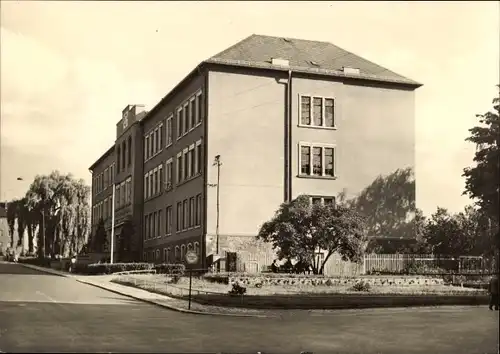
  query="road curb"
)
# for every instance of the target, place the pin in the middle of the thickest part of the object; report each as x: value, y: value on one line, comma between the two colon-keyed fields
x: 173, y: 308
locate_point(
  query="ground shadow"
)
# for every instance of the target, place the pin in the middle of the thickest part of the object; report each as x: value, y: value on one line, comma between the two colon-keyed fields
x: 18, y: 269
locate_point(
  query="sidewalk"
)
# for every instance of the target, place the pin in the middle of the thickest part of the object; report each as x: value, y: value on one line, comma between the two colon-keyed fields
x: 104, y: 282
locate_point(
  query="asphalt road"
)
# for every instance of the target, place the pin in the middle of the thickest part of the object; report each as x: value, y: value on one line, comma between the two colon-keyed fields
x: 47, y: 313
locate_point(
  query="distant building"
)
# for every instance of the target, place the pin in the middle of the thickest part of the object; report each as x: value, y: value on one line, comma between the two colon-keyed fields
x: 286, y: 116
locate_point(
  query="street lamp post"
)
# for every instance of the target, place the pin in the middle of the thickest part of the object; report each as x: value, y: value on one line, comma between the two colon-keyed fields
x: 217, y: 163
x: 112, y: 225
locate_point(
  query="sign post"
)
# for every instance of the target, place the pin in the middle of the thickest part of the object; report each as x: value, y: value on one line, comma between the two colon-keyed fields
x: 191, y: 258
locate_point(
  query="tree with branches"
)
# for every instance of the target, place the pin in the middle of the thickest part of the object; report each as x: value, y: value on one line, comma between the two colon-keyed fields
x: 300, y: 230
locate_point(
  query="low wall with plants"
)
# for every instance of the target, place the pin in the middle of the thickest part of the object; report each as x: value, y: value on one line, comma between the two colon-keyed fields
x: 278, y: 279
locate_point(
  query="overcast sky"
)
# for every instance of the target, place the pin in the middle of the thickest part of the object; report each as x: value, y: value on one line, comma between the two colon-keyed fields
x: 69, y: 68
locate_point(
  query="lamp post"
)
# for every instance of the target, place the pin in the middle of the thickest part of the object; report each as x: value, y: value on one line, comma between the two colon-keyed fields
x: 112, y: 224
x: 217, y: 163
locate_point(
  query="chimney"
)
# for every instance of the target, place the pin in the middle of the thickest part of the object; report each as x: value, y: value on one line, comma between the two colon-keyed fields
x: 348, y: 70
x: 280, y: 62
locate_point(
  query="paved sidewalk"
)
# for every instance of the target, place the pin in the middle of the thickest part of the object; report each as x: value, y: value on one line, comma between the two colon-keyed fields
x: 104, y: 282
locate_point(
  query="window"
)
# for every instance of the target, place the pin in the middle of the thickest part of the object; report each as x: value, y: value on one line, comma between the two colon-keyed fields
x: 199, y: 107
x: 320, y: 109
x: 186, y: 164
x: 179, y: 123
x: 146, y: 227
x: 106, y: 178
x: 124, y: 154
x: 165, y: 255
x: 123, y: 194
x: 199, y: 157
x: 160, y: 223
x: 168, y: 255
x: 117, y: 197
x: 188, y: 124
x: 305, y: 110
x: 150, y: 145
x: 146, y: 186
x: 154, y: 223
x: 192, y: 112
x: 322, y: 200
x: 151, y: 226
x: 129, y: 190
x: 157, y: 255
x: 190, y: 247
x: 160, y: 178
x: 118, y: 154
x: 192, y: 162
x: 197, y: 248
x: 185, y: 214
x: 179, y: 216
x: 183, y: 252
x: 305, y: 160
x: 179, y: 167
x: 198, y: 210
x: 329, y: 112
x: 155, y: 180
x: 146, y: 144
x: 168, y: 131
x: 160, y: 137
x: 317, y: 160
x: 168, y: 220
x: 129, y: 150
x: 192, y: 215
x: 184, y: 119
x: 176, y: 253
x: 316, y: 200
x: 150, y: 189
x: 168, y: 174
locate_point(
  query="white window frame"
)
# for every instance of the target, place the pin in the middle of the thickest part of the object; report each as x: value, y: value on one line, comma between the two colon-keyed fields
x: 185, y: 118
x: 190, y: 155
x: 192, y: 106
x: 169, y: 181
x: 179, y: 120
x: 323, y: 165
x: 160, y: 136
x: 168, y: 220
x: 198, y: 102
x: 168, y: 130
x: 155, y: 180
x: 178, y: 175
x: 185, y: 175
x: 311, y: 112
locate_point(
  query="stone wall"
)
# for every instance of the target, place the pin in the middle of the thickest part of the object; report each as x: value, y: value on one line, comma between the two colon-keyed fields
x: 252, y: 256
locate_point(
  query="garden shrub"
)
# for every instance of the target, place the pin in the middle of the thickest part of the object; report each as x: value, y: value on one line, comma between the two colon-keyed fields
x: 170, y: 269
x: 361, y: 286
x: 237, y: 289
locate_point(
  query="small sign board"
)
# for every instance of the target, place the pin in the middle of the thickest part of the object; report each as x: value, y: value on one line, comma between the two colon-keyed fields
x: 191, y: 257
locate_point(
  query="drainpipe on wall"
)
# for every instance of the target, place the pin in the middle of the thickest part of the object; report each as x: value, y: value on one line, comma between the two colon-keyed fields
x: 289, y: 137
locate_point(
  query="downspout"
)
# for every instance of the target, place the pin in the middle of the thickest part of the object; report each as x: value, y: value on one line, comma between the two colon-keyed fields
x: 203, y: 236
x: 289, y: 137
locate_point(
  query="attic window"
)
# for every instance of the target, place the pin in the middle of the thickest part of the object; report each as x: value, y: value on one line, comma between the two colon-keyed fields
x: 314, y: 63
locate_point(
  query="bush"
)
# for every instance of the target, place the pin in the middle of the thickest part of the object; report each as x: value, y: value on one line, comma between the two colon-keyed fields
x: 237, y: 290
x: 361, y: 286
x: 40, y: 262
x: 170, y: 269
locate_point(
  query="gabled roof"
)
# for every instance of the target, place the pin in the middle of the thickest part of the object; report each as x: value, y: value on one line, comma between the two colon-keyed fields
x: 306, y: 56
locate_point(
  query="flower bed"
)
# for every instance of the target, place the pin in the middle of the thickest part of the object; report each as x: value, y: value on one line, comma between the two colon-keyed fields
x: 277, y: 279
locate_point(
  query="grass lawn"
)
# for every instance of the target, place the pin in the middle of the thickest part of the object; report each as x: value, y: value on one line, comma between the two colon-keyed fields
x: 160, y: 283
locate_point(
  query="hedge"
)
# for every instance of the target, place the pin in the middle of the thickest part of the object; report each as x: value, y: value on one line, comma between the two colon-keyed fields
x: 338, y: 301
x: 41, y: 262
x: 107, y: 268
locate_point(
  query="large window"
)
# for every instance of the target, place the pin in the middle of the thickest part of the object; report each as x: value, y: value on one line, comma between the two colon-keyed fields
x: 192, y: 215
x: 168, y: 229
x: 317, y: 112
x: 317, y: 160
x: 168, y: 131
x: 185, y: 214
x: 198, y: 210
x: 168, y: 174
x: 179, y: 216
